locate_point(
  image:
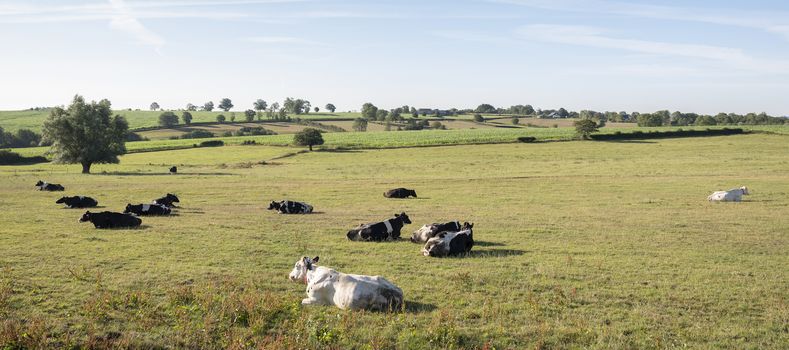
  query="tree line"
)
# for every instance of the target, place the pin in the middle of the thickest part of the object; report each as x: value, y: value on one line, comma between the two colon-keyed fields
x: 260, y: 108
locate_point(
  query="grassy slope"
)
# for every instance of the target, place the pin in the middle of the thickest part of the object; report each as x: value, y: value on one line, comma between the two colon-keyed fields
x: 580, y: 244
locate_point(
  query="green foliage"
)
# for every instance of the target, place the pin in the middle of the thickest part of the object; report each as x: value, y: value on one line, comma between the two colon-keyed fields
x: 11, y: 158
x: 260, y: 105
x: 168, y: 119
x: 225, y: 104
x: 485, y: 108
x: 479, y: 118
x: 154, y: 106
x: 515, y: 121
x: 190, y: 107
x: 212, y: 143
x: 330, y: 107
x: 253, y: 131
x: 296, y: 106
x: 369, y: 111
x: 249, y: 114
x: 208, y: 106
x: 308, y: 137
x: 585, y: 127
x: 220, y: 118
x: 360, y: 124
x: 649, y: 120
x: 187, y: 117
x: 86, y: 133
x: 437, y: 125
x: 197, y: 134
x: 20, y: 139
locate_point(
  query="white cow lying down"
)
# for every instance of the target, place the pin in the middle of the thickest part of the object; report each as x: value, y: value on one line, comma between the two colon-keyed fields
x: 326, y: 286
x: 732, y: 195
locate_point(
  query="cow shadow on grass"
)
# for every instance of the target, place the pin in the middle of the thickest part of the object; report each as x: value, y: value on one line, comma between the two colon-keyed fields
x: 487, y: 244
x: 89, y: 208
x: 415, y: 307
x: 495, y: 253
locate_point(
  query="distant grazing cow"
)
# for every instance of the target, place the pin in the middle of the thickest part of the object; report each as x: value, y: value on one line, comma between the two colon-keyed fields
x: 173, y: 170
x: 450, y: 243
x: 78, y: 202
x: 429, y: 231
x: 732, y: 195
x: 326, y: 286
x: 399, y: 193
x: 290, y: 207
x: 43, y: 186
x: 380, y: 231
x: 167, y: 200
x: 107, y: 219
x: 147, y: 209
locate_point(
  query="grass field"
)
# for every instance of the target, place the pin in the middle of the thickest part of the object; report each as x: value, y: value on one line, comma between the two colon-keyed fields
x: 13, y: 120
x: 579, y: 245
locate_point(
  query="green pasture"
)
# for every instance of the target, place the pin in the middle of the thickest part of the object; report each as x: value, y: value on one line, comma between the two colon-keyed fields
x: 30, y: 119
x: 579, y: 245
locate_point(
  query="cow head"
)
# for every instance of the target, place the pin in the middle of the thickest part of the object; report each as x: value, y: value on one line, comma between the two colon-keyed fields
x: 412, y: 193
x: 273, y: 206
x: 467, y: 226
x: 434, y: 246
x: 85, y: 217
x: 128, y: 208
x: 61, y: 200
x: 40, y: 183
x: 404, y: 217
x: 301, y: 268
x: 172, y: 198
x: 744, y: 190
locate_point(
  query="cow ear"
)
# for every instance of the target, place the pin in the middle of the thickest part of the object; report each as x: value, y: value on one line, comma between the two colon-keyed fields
x: 315, y: 259
x: 397, y: 215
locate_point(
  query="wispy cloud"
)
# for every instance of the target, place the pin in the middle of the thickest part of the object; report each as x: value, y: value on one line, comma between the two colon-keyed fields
x: 772, y: 22
x: 123, y: 20
x: 596, y: 37
x: 284, y: 40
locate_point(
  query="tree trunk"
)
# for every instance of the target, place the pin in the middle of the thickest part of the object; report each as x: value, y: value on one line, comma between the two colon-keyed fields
x: 86, y: 168
x: 310, y: 148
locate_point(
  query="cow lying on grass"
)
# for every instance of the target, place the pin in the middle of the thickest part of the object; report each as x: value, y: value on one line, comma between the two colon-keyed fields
x: 326, y: 286
x: 450, y: 243
x: 290, y: 207
x: 429, y: 231
x: 147, y: 209
x: 386, y: 230
x: 174, y: 170
x: 43, y: 186
x: 167, y: 200
x: 399, y: 193
x: 732, y: 195
x: 78, y: 202
x: 107, y: 219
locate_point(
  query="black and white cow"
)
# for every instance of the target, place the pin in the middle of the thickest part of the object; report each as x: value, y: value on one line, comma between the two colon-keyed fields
x: 399, y: 193
x: 450, y: 243
x: 167, y: 200
x: 174, y: 170
x: 428, y: 231
x: 290, y: 207
x: 107, y: 219
x: 78, y: 202
x: 147, y: 209
x: 387, y: 230
x: 43, y: 186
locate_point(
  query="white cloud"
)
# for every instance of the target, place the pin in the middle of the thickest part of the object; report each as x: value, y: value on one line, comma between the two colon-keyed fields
x: 286, y: 40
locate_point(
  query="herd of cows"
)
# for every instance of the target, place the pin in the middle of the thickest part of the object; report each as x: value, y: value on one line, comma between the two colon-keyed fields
x: 326, y: 286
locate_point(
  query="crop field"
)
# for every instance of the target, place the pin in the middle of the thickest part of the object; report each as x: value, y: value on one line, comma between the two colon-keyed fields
x: 578, y: 245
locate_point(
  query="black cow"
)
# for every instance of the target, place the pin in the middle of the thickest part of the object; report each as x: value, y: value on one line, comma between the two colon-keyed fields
x: 173, y: 170
x: 450, y: 243
x: 380, y: 231
x: 78, y: 202
x: 428, y: 231
x: 108, y: 219
x: 399, y: 193
x: 147, y: 209
x: 290, y: 207
x: 167, y: 200
x: 43, y: 186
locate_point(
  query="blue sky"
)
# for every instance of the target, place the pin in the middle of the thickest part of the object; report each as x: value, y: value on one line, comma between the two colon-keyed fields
x: 695, y: 56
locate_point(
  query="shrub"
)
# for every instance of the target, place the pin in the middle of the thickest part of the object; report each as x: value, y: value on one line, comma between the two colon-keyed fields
x: 168, y: 119
x: 220, y: 118
x: 212, y: 143
x: 515, y: 121
x: 479, y: 118
x: 527, y: 139
x: 11, y: 158
x: 197, y: 134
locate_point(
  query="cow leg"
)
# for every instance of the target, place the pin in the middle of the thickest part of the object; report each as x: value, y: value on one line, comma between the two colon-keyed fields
x: 310, y: 301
